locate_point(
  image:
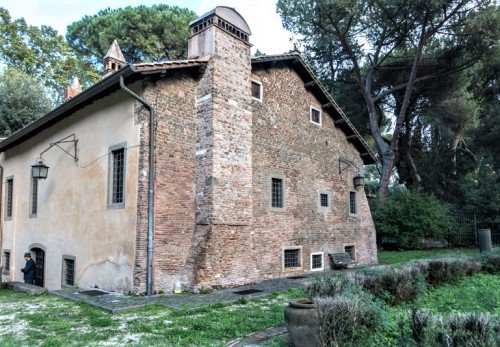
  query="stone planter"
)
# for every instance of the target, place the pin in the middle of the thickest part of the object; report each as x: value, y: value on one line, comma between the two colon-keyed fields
x: 301, y: 321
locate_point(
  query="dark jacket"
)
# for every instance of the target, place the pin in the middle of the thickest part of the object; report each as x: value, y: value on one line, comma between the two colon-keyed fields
x: 29, y: 270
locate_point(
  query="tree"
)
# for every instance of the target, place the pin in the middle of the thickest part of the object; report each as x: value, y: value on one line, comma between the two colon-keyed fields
x: 144, y: 33
x: 22, y: 100
x: 42, y: 54
x: 412, y: 216
x: 400, y: 36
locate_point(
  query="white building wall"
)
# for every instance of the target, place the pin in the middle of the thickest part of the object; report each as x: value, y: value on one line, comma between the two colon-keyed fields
x: 73, y: 216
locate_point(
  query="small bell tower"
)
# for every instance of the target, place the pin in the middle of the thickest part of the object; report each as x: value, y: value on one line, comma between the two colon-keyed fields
x: 114, y: 60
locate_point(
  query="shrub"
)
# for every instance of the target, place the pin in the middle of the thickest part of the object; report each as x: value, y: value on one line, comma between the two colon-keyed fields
x: 346, y: 318
x: 491, y: 263
x: 449, y: 270
x: 393, y: 285
x: 465, y: 330
x: 326, y: 287
x: 412, y: 216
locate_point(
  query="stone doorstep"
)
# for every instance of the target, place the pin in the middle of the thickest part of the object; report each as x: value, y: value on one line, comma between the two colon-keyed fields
x: 24, y: 287
x: 257, y: 337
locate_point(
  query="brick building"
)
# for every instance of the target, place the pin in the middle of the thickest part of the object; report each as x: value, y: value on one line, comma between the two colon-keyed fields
x: 247, y: 173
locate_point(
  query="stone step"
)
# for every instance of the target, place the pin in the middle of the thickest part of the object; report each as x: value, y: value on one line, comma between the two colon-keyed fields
x: 24, y: 288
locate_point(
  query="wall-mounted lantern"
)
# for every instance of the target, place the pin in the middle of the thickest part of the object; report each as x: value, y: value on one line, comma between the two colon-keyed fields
x: 40, y: 170
x: 359, y: 179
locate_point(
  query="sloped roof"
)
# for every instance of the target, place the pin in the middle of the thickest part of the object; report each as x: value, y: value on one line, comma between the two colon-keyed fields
x: 133, y: 72
x: 329, y: 105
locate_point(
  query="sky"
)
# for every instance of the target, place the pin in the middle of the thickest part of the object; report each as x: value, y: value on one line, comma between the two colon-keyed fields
x: 268, y: 34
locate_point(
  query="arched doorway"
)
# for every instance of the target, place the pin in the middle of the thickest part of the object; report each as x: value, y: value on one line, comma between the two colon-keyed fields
x: 40, y: 266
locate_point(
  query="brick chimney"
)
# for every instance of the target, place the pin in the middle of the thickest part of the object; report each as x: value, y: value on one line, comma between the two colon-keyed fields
x: 225, y: 182
x: 114, y: 60
x: 73, y: 89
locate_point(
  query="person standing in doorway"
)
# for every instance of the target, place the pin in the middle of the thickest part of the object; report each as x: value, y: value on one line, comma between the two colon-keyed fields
x: 29, y: 269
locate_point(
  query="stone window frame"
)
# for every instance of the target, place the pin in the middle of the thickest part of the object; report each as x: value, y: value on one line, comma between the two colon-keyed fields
x: 322, y: 261
x: 353, y: 207
x: 6, y: 261
x: 111, y: 149
x: 64, y: 278
x: 353, y: 245
x: 33, y: 201
x: 295, y: 268
x: 329, y: 197
x: 261, y: 90
x: 282, y: 177
x: 320, y: 115
x: 9, y: 198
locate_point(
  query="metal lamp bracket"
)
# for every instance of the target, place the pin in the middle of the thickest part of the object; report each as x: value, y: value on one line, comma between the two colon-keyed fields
x: 68, y: 139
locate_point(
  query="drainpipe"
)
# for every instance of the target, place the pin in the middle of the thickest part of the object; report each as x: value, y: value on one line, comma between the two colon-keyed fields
x: 149, y: 280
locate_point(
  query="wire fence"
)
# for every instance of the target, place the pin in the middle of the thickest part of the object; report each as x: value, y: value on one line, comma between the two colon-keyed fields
x: 468, y: 225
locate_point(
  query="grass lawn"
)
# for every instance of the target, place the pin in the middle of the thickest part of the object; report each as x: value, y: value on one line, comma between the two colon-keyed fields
x: 396, y: 257
x: 46, y: 320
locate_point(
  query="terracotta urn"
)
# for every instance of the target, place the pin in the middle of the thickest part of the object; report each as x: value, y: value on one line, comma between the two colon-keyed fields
x: 301, y: 321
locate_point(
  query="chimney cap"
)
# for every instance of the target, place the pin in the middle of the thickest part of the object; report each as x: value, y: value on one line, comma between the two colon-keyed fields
x: 227, y: 13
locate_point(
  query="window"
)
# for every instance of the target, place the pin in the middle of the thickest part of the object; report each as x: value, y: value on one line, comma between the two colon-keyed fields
x: 315, y: 116
x: 34, y: 197
x: 116, y: 193
x: 324, y: 201
x: 317, y: 261
x: 353, y: 208
x: 291, y: 258
x: 277, y: 192
x: 351, y: 249
x: 257, y: 90
x: 68, y: 271
x: 6, y: 262
x: 9, y: 197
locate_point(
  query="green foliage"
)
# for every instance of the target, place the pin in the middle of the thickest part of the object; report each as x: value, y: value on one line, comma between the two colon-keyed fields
x: 42, y: 54
x: 412, y: 216
x: 144, y: 33
x: 491, y: 263
x: 346, y: 319
x: 22, y: 101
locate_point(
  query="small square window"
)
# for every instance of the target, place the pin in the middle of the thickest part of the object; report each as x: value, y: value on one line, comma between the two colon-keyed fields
x: 68, y: 271
x: 315, y: 116
x: 317, y: 262
x: 324, y: 201
x: 257, y: 90
x: 351, y: 249
x: 353, y: 207
x: 291, y: 258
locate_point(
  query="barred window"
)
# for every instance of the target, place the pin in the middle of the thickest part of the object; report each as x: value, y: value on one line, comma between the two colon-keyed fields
x: 353, y: 209
x: 9, y: 198
x: 69, y: 272
x: 291, y: 258
x: 277, y: 192
x: 116, y: 178
x: 34, y: 196
x: 323, y: 200
x: 118, y: 175
x: 6, y: 262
